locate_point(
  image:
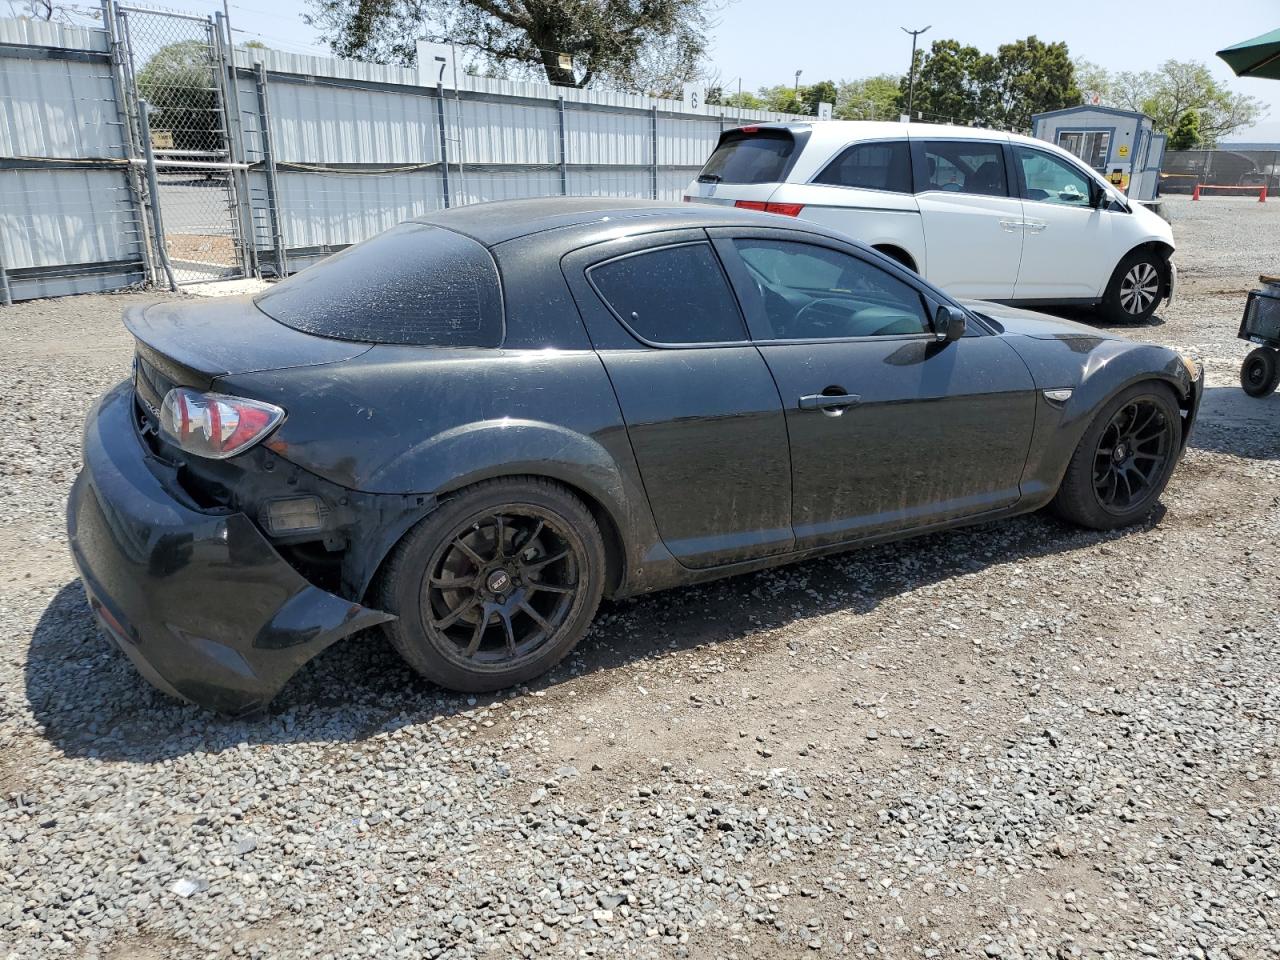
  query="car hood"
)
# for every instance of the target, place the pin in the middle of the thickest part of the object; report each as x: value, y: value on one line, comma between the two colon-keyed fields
x: 1028, y: 323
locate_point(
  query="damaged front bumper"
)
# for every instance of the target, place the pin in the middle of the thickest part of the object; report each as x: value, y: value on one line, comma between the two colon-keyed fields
x: 199, y: 600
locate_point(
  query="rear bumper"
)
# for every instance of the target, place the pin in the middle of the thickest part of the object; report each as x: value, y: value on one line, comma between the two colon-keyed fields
x: 199, y: 600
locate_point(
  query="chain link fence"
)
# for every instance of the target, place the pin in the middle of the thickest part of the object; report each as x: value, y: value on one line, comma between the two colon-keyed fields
x: 174, y: 65
x: 147, y: 147
x: 1184, y: 170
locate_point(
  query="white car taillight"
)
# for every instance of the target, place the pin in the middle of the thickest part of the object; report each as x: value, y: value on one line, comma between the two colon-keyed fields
x: 215, y: 425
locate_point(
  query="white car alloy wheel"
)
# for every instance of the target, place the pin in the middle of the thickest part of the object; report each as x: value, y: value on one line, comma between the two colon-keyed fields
x: 1139, y: 289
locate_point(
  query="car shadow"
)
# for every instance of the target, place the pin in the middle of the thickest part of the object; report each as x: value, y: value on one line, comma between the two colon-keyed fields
x: 1232, y: 422
x: 1092, y: 317
x: 89, y: 701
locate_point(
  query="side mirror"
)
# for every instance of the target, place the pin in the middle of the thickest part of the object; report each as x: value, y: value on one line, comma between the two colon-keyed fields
x: 949, y: 324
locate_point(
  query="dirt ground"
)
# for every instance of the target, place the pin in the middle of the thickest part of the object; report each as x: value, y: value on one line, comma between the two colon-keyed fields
x: 1015, y: 740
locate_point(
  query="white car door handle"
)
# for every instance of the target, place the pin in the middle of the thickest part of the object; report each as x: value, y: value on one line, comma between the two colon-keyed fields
x: 1008, y: 226
x: 1036, y: 226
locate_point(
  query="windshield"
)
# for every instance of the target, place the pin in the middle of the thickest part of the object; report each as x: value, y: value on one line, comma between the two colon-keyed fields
x: 413, y: 284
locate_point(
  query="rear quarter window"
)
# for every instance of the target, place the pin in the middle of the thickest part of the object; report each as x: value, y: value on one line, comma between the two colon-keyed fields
x: 414, y: 284
x: 871, y: 166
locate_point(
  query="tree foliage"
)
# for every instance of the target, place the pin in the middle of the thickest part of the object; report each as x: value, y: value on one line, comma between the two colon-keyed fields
x: 964, y: 85
x: 947, y: 87
x: 178, y: 83
x: 653, y: 45
x: 746, y: 100
x: 782, y: 98
x: 870, y: 98
x: 1167, y: 93
x: 1186, y: 135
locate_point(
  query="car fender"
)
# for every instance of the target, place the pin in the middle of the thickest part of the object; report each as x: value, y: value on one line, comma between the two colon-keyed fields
x: 1094, y: 370
x: 507, y: 447
x: 471, y: 452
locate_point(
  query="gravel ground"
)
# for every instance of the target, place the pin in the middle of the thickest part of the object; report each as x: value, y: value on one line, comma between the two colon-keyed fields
x: 1018, y: 740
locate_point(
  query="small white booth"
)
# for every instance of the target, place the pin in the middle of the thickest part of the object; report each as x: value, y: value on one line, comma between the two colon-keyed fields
x: 1120, y: 144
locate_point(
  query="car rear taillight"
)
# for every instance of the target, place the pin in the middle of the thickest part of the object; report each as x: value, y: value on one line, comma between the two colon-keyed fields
x: 215, y: 425
x: 785, y: 209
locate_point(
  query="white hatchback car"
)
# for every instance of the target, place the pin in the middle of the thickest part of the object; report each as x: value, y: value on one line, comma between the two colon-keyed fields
x: 980, y: 213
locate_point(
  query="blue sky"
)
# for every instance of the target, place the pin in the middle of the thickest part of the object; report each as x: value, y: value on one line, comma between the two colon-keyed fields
x: 832, y: 39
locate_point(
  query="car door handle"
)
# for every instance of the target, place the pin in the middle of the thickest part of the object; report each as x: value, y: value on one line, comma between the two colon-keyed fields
x: 1008, y: 226
x: 829, y: 401
x: 1036, y: 226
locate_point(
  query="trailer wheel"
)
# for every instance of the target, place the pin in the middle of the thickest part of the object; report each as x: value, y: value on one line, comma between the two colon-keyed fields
x: 1260, y: 372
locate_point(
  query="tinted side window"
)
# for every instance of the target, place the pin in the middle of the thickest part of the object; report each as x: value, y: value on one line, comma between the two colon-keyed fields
x: 809, y: 292
x: 1051, y: 179
x: 871, y: 166
x: 412, y: 284
x: 963, y: 166
x: 671, y: 295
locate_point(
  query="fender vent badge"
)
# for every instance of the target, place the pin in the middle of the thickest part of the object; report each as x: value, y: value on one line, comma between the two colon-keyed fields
x: 1061, y: 395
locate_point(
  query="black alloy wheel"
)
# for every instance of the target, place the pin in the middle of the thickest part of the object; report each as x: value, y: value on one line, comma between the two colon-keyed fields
x: 496, y: 585
x: 1260, y: 372
x: 1123, y: 461
x: 501, y: 587
x: 1129, y: 462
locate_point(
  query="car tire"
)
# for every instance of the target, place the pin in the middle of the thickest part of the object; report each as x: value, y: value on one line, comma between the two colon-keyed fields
x: 1260, y: 372
x: 1134, y: 290
x: 481, y: 600
x: 1124, y: 460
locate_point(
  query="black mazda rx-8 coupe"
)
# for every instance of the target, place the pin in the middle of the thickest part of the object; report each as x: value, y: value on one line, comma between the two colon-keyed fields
x: 470, y: 428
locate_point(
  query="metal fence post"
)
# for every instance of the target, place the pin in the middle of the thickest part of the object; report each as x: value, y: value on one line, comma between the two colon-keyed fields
x: 653, y: 145
x: 227, y: 78
x: 273, y: 187
x: 128, y: 144
x: 157, y: 221
x: 564, y: 158
x: 6, y: 294
x: 444, y: 144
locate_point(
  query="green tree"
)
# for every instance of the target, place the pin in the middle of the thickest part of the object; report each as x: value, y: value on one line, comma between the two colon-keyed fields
x: 1177, y: 86
x: 1092, y: 78
x: 178, y: 83
x: 824, y: 91
x: 651, y: 45
x: 964, y: 85
x: 948, y: 83
x: 1186, y: 135
x: 871, y: 98
x: 746, y: 100
x: 1024, y: 78
x: 784, y: 98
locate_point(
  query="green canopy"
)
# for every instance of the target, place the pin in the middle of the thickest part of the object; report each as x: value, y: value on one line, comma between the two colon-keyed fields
x: 1259, y: 57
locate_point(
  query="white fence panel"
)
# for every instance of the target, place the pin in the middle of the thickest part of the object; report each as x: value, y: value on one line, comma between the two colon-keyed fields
x: 332, y: 210
x: 56, y: 217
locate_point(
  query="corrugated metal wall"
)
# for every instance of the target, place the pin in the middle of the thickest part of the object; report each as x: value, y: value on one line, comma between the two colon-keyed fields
x: 68, y: 221
x: 358, y: 146
x: 354, y: 148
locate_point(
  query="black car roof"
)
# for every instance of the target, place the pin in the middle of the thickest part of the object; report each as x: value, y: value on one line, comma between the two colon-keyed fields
x: 503, y: 220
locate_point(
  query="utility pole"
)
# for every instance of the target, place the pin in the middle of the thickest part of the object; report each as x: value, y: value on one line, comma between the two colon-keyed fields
x: 798, y: 72
x: 911, y: 84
